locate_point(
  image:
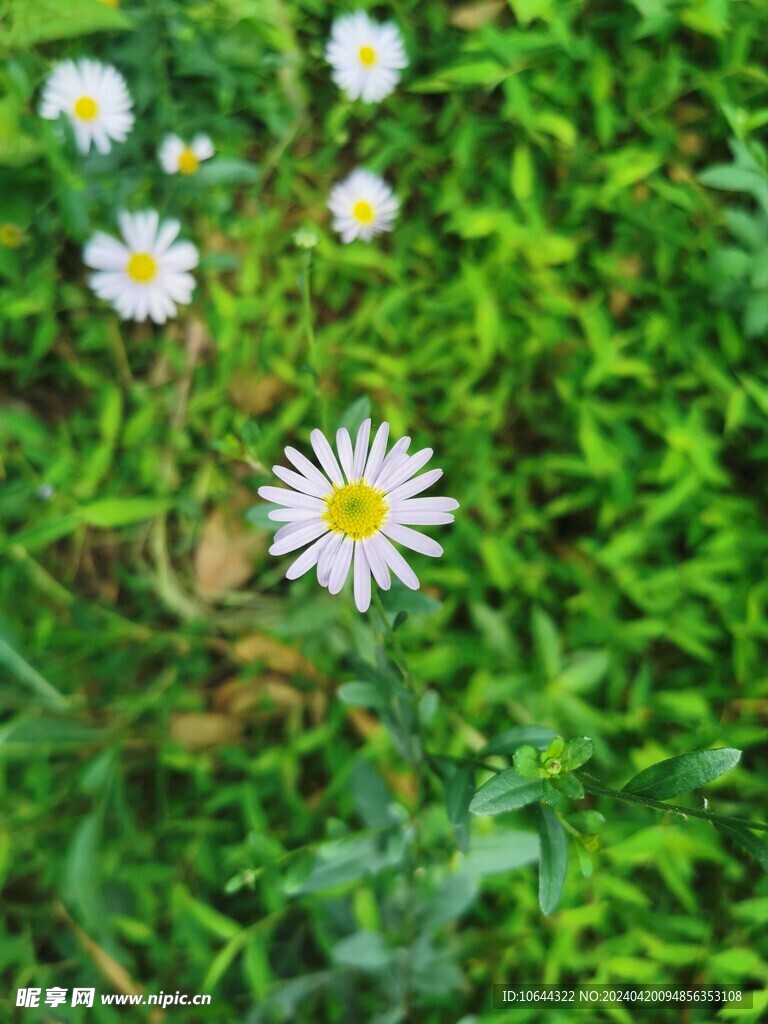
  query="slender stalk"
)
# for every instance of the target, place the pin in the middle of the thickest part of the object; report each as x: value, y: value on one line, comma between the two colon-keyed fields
x: 121, y: 357
x: 309, y: 329
x: 421, y: 764
x: 392, y: 644
x: 598, y: 789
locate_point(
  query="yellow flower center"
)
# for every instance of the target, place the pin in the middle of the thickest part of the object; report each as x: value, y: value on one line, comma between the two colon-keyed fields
x: 363, y: 212
x: 141, y: 267
x: 188, y: 162
x: 11, y: 236
x: 86, y: 108
x: 111, y: 3
x: 356, y: 510
x: 367, y: 56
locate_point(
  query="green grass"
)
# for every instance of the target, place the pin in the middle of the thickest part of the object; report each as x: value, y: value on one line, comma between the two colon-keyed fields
x: 548, y: 316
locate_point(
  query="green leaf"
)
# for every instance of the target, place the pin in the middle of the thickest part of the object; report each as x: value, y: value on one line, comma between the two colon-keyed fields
x: 361, y: 695
x: 37, y: 21
x: 109, y: 512
x: 505, y: 792
x: 547, y: 641
x: 527, y: 763
x: 342, y: 861
x: 684, y: 773
x: 459, y: 789
x: 53, y: 732
x: 552, y: 795
x: 364, y: 950
x: 29, y: 676
x: 555, y: 748
x: 553, y: 860
x: 502, y: 851
x: 258, y: 515
x: 400, y: 598
x: 569, y: 785
x: 226, y: 171
x: 584, y: 671
x: 509, y: 740
x: 354, y: 416
x: 755, y: 847
x: 576, y: 753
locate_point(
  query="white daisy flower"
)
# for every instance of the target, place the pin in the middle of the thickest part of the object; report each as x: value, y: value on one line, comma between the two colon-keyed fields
x: 353, y: 510
x: 176, y: 157
x: 366, y: 57
x: 363, y: 205
x: 147, y: 273
x: 94, y: 97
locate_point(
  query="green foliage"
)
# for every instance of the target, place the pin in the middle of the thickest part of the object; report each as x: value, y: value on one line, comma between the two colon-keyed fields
x: 570, y: 311
x: 682, y: 774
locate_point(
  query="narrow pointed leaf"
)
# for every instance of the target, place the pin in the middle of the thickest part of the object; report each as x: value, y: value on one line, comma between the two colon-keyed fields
x: 755, y: 847
x: 683, y: 774
x: 553, y: 860
x: 505, y: 792
x: 509, y: 740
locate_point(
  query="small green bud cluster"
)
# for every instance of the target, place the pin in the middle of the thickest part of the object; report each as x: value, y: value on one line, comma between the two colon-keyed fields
x: 554, y: 767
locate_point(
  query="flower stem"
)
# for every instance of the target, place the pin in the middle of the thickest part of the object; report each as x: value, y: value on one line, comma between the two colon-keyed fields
x: 309, y: 328
x: 598, y: 789
x: 397, y: 654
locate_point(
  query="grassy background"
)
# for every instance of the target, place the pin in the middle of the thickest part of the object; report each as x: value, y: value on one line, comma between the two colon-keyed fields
x: 173, y: 755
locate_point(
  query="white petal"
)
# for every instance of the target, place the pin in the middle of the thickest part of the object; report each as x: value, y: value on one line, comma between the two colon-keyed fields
x: 377, y: 562
x: 407, y: 469
x: 299, y: 482
x: 327, y: 556
x: 398, y: 564
x: 415, y: 486
x: 425, y: 505
x: 362, y: 579
x: 344, y: 448
x: 398, y: 449
x: 361, y: 448
x: 103, y: 252
x: 307, y: 559
x: 310, y: 471
x: 412, y: 539
x: 293, y: 515
x: 421, y: 518
x: 181, y: 256
x: 390, y: 467
x: 303, y: 536
x: 325, y: 455
x: 340, y: 567
x: 292, y: 499
x: 376, y: 457
x: 167, y: 232
x: 291, y: 529
x: 202, y: 147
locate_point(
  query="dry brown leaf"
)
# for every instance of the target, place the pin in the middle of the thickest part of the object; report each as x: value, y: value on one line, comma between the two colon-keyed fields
x: 266, y: 697
x: 364, y: 723
x: 114, y: 972
x: 619, y: 302
x: 471, y: 16
x: 256, y: 395
x: 224, y: 557
x: 690, y: 143
x: 274, y: 654
x: 196, y: 730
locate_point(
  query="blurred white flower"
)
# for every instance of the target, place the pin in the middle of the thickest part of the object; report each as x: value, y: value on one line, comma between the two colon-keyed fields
x: 147, y: 273
x: 363, y: 205
x: 176, y: 157
x: 353, y: 510
x: 94, y: 97
x: 366, y: 57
